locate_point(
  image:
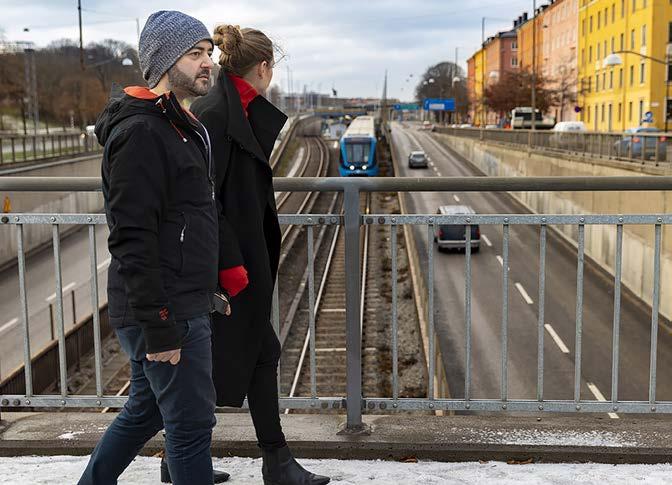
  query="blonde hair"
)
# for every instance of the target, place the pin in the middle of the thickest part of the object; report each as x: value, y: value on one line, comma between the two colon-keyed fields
x: 242, y: 49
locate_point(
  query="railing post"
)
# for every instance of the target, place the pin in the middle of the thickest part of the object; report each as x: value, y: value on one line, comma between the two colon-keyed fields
x: 353, y: 337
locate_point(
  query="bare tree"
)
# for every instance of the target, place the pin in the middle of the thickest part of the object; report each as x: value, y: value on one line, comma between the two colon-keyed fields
x: 444, y: 85
x: 565, y: 89
x: 514, y: 88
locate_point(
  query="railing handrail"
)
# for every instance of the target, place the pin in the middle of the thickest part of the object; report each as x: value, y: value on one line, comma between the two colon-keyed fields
x: 396, y: 184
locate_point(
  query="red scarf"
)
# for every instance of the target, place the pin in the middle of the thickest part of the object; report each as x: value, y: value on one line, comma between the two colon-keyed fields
x: 245, y: 90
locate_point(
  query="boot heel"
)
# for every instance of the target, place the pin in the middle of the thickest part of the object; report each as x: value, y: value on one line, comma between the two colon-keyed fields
x: 165, y: 473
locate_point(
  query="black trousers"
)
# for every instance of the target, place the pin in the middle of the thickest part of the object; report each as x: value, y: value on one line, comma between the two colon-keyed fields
x: 262, y: 395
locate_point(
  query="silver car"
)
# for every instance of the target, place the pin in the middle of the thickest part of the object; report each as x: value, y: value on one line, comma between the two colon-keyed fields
x: 454, y: 236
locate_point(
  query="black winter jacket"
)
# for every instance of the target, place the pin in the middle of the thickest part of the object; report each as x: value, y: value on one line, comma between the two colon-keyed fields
x: 158, y: 184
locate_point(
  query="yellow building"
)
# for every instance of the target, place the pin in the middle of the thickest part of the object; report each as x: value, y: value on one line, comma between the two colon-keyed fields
x: 617, y: 97
x: 476, y: 81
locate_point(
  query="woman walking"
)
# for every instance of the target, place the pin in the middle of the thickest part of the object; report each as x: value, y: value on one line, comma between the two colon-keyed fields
x: 243, y: 127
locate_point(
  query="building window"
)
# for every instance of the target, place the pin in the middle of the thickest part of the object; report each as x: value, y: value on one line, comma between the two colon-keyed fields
x: 598, y: 52
x: 613, y: 44
x: 583, y: 27
x: 590, y: 24
x: 588, y: 115
x: 668, y: 108
x: 590, y: 53
x: 597, y: 82
x: 622, y: 8
x: 669, y: 73
x: 623, y: 39
x: 611, y: 79
x: 641, y: 111
x: 514, y: 61
x: 619, y: 112
x: 632, y: 39
x: 632, y: 75
x: 599, y: 20
x: 634, y: 5
x: 669, y: 32
x: 613, y: 13
x: 630, y: 111
x: 514, y: 45
x: 602, y: 118
x: 642, y: 72
x: 620, y: 78
x: 604, y: 80
x: 606, y: 14
x: 644, y: 35
x: 605, y: 49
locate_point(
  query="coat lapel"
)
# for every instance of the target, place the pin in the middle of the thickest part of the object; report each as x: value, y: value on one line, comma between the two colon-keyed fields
x: 238, y: 128
x: 266, y: 121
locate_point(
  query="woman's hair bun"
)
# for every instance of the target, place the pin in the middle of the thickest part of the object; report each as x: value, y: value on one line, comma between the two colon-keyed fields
x: 227, y: 37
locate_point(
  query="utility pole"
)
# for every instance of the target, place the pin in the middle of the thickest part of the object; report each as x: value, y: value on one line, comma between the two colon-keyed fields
x: 81, y: 38
x: 534, y: 64
x: 137, y: 29
x: 482, y: 75
x: 30, y: 81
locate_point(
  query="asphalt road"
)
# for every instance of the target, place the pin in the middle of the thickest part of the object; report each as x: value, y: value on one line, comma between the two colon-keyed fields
x: 41, y: 284
x: 560, y: 302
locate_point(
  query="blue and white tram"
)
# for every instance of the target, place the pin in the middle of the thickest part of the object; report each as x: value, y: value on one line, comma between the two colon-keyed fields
x: 358, y: 149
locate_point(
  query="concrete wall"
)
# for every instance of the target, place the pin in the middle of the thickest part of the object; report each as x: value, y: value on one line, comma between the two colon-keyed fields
x: 47, y: 202
x: 638, y: 241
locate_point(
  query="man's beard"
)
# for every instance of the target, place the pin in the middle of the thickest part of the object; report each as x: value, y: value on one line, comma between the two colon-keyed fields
x: 179, y: 81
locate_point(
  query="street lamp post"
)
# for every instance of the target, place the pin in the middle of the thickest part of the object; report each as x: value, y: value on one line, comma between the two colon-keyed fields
x: 614, y: 59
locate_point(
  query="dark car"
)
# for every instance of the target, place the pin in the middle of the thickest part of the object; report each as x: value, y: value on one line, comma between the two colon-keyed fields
x: 454, y: 236
x: 651, y: 140
x: 418, y: 159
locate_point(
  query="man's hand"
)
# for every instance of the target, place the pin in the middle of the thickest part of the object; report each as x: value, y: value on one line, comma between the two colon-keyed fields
x: 172, y: 356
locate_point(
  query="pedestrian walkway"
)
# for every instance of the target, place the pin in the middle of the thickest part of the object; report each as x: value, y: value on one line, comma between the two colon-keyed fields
x: 247, y: 471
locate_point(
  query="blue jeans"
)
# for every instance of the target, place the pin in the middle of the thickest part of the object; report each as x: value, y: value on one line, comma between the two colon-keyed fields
x: 179, y: 398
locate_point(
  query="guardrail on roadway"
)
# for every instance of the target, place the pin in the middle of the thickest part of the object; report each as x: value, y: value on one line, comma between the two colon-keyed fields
x: 352, y: 221
x: 27, y: 148
x: 641, y: 147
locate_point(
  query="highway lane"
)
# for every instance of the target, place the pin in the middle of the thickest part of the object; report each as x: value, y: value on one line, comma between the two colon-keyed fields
x: 559, y: 338
x: 41, y: 285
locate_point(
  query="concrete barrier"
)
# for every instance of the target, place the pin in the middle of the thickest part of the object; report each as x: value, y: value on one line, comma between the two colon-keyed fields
x: 36, y: 235
x: 638, y: 241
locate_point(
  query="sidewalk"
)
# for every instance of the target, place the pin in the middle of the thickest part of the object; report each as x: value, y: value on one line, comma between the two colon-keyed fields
x: 247, y: 471
x: 553, y: 439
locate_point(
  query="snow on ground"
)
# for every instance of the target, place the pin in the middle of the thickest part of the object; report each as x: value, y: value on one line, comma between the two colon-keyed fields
x: 247, y: 471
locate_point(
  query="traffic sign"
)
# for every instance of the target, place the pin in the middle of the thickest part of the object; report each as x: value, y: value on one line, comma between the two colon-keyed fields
x: 439, y: 104
x: 405, y: 107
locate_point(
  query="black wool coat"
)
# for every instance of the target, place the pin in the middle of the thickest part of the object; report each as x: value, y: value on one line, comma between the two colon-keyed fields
x: 249, y: 233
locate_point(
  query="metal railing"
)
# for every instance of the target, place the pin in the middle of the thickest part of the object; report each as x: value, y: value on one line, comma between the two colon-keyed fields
x: 352, y: 220
x: 647, y: 147
x: 26, y: 148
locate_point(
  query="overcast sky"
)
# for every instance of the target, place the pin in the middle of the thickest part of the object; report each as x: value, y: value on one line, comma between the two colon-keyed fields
x: 347, y: 44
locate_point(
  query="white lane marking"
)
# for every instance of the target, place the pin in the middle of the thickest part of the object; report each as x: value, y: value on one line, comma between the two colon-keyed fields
x: 439, y: 173
x: 51, y: 298
x: 333, y: 310
x: 457, y: 199
x: 600, y: 397
x: 501, y: 261
x: 524, y: 294
x: 104, y: 264
x: 431, y: 164
x: 487, y: 241
x: 9, y: 324
x: 556, y: 338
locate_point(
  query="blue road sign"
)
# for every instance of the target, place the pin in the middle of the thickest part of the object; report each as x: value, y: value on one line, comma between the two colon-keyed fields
x: 438, y: 104
x: 648, y: 117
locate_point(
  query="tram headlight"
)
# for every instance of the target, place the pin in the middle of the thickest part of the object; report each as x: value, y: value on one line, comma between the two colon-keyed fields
x: 352, y: 167
x: 364, y: 167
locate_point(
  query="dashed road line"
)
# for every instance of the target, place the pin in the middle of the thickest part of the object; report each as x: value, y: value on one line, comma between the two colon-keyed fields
x: 501, y: 261
x: 439, y: 174
x: 9, y: 324
x: 457, y: 199
x: 600, y: 397
x: 487, y: 241
x: 524, y: 294
x: 556, y: 338
x: 65, y: 289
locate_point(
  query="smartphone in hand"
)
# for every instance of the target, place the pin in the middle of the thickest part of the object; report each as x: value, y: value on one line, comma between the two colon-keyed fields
x: 221, y: 303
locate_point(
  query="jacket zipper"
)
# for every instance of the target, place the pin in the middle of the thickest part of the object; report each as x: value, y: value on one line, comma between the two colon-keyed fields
x: 182, y: 233
x: 208, y: 150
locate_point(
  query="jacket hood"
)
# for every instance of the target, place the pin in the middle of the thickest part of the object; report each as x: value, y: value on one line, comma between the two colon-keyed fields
x: 135, y: 100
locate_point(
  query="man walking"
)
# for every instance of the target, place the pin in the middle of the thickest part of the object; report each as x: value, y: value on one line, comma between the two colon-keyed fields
x: 158, y: 184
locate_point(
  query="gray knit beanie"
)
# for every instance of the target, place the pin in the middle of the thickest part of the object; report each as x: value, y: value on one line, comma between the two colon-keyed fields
x: 166, y: 37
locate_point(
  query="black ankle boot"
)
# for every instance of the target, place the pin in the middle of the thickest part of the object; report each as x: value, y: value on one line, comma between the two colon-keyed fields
x: 280, y: 468
x: 218, y: 476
